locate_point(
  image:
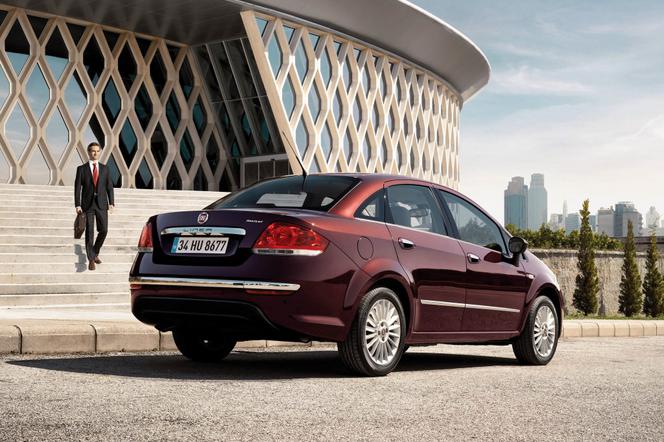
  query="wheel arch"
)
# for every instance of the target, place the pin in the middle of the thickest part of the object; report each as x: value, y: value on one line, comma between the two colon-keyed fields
x: 556, y: 297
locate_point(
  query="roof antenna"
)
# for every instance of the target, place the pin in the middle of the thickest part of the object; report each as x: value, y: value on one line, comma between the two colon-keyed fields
x: 299, y: 161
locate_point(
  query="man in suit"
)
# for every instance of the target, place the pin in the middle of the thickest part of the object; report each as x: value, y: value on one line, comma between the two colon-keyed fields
x: 93, y: 194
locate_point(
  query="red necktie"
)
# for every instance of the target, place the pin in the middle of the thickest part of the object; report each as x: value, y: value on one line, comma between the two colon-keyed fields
x: 95, y: 174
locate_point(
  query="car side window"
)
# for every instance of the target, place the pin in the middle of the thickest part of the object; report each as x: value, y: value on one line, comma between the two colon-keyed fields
x: 473, y: 225
x: 372, y: 208
x: 415, y: 207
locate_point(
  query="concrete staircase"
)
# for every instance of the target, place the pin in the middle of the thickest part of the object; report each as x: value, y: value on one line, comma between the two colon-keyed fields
x: 42, y: 265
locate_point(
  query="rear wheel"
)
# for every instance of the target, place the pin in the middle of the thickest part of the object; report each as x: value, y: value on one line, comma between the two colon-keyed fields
x: 202, y: 346
x: 375, y: 342
x: 538, y: 342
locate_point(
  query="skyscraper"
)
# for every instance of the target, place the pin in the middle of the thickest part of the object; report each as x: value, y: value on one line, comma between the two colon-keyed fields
x: 537, y: 202
x: 572, y: 222
x: 625, y: 211
x: 652, y: 218
x: 605, y: 221
x: 516, y: 203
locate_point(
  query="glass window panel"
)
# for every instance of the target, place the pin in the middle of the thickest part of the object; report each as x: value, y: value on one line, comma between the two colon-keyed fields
x: 282, y: 168
x: 37, y: 171
x: 366, y: 79
x: 326, y: 142
x: 250, y: 173
x: 111, y: 102
x: 325, y: 67
x: 17, y: 47
x: 127, y: 67
x: 143, y: 45
x: 159, y: 146
x: 375, y: 116
x: 158, y: 73
x: 226, y: 78
x: 289, y: 32
x: 128, y: 143
x: 57, y: 135
x: 93, y: 60
x: 4, y: 169
x: 208, y: 73
x: 4, y: 87
x: 415, y: 207
x: 366, y: 148
x: 173, y: 52
x: 143, y: 177
x: 372, y: 208
x: 17, y: 130
x: 187, y: 150
x: 274, y: 55
x: 212, y: 154
x: 314, y: 168
x: 75, y: 97
x: 301, y: 138
x: 383, y: 84
x: 347, y: 73
x: 390, y: 120
x: 399, y: 156
x: 473, y: 225
x: 173, y: 112
x: 76, y: 32
x: 262, y: 24
x: 199, y: 116
x: 357, y: 111
x: 69, y: 169
x: 358, y: 54
x: 337, y: 46
x: 38, y: 24
x: 173, y: 180
x: 186, y: 78
x: 337, y: 107
x: 301, y: 61
x: 348, y: 146
x: 143, y: 107
x: 384, y: 153
x: 314, y: 38
x: 37, y: 92
x: 288, y: 97
x: 314, y: 102
x: 94, y: 132
x: 200, y: 182
x: 114, y: 172
x: 412, y: 158
x: 111, y: 39
x: 57, y: 54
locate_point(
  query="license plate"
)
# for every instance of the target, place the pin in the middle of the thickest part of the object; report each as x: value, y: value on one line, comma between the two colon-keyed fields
x: 214, y: 246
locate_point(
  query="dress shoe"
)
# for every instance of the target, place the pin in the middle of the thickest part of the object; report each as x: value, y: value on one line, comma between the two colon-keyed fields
x: 92, y: 266
x: 97, y: 260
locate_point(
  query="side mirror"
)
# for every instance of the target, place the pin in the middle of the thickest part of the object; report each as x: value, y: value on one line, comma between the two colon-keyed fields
x: 517, y: 246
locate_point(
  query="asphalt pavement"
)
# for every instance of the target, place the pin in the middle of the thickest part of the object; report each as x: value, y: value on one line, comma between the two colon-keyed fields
x: 594, y: 389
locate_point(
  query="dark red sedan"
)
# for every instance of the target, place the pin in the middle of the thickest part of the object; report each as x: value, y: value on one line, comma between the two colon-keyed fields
x: 375, y: 263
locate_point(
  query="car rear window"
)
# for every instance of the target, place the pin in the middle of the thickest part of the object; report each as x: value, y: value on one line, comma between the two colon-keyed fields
x: 317, y: 192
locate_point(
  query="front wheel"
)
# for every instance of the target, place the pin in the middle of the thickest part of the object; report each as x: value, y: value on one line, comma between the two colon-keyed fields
x: 538, y: 342
x: 202, y: 346
x: 375, y: 342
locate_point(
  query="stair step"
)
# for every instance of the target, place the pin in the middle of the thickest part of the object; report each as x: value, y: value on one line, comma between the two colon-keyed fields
x: 67, y: 223
x: 121, y: 297
x: 86, y: 276
x: 69, y: 258
x: 65, y: 267
x: 129, y: 240
x: 68, y: 287
x: 23, y: 231
x: 74, y: 249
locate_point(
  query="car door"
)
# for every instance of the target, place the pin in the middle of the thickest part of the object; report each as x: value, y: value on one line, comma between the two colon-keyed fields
x: 434, y: 262
x: 495, y: 286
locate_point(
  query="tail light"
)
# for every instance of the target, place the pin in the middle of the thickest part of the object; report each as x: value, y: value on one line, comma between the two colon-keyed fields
x: 289, y: 239
x: 145, y: 241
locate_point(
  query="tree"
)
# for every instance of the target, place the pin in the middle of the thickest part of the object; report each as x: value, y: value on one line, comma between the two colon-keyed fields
x: 653, y: 283
x: 587, y: 281
x: 630, y: 300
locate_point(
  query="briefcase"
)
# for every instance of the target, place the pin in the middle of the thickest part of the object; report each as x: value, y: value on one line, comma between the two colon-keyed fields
x: 79, y: 225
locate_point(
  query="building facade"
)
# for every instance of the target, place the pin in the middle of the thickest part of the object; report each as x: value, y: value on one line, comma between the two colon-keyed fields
x: 516, y: 203
x: 537, y: 202
x: 624, y: 213
x: 605, y: 218
x: 220, y: 95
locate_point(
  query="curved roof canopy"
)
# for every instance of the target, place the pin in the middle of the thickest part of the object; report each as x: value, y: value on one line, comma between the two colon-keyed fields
x: 394, y: 25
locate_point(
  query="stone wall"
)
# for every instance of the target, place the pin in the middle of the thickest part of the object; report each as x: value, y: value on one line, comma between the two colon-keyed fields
x: 609, y: 269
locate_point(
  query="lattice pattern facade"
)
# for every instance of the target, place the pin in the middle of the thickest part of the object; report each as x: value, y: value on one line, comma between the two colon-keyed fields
x: 64, y: 83
x: 350, y: 107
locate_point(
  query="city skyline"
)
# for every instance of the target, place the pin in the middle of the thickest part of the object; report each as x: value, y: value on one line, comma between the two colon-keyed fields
x: 575, y: 93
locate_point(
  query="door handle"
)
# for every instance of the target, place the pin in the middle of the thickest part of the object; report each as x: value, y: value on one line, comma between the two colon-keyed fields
x: 406, y: 243
x: 473, y: 259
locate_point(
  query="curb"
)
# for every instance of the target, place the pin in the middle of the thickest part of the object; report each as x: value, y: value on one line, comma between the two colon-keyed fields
x: 107, y: 337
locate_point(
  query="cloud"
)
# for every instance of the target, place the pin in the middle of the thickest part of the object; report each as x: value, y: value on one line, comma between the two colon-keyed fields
x: 526, y: 80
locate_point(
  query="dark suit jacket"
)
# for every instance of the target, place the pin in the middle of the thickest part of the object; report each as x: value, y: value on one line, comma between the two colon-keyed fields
x: 84, y: 190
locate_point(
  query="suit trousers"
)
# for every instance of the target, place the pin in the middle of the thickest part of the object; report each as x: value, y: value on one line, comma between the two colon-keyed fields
x: 92, y: 246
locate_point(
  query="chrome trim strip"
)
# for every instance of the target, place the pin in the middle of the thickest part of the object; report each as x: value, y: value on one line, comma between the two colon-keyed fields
x: 491, y: 307
x: 287, y: 252
x: 214, y: 283
x: 203, y: 231
x: 471, y: 306
x: 443, y: 303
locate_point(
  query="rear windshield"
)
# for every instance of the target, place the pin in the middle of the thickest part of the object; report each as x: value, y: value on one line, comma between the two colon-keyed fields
x: 317, y: 192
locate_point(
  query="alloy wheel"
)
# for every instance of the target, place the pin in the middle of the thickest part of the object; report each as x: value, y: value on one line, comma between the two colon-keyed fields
x: 382, y: 332
x: 544, y: 331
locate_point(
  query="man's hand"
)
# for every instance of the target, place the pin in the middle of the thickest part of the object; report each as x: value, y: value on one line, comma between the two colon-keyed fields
x: 79, y: 210
x: 111, y: 207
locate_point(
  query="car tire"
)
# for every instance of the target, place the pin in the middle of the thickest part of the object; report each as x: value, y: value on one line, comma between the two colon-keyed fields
x: 202, y: 346
x: 375, y: 342
x: 538, y: 342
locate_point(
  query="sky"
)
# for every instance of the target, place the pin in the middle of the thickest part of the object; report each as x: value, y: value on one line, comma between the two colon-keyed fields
x: 576, y: 93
